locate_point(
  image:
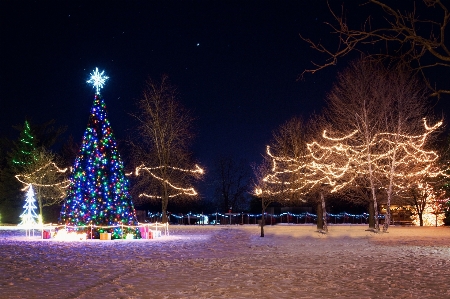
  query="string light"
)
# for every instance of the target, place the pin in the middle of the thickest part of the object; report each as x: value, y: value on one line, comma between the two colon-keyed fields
x: 34, y: 177
x: 27, y: 140
x: 434, y: 203
x: 179, y: 190
x: 339, y: 164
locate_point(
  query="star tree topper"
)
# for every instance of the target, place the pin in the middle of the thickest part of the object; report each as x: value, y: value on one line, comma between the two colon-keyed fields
x: 98, y: 80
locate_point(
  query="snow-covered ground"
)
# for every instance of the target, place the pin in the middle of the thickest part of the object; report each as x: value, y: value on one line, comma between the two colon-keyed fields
x: 292, y: 261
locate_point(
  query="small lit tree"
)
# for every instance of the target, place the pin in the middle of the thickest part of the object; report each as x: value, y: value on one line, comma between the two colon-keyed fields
x: 162, y: 148
x: 49, y: 181
x: 29, y: 217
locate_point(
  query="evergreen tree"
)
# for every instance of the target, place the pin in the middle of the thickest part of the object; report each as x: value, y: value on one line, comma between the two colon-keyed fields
x: 98, y: 192
x: 25, y: 148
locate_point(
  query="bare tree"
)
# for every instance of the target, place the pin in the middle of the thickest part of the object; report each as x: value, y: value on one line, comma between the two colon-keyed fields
x: 48, y: 180
x: 164, y: 135
x: 415, y: 41
x: 278, y: 178
x: 403, y: 120
x: 420, y: 195
x: 231, y: 183
x: 354, y: 105
x: 383, y: 108
x: 261, y: 187
x: 301, y: 169
x: 423, y: 177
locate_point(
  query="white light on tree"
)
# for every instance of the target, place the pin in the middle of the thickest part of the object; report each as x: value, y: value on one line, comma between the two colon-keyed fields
x: 97, y: 80
x: 29, y: 216
x: 178, y: 190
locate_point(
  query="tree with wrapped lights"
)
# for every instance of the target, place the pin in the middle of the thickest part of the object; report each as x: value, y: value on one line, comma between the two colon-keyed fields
x: 98, y: 192
x: 262, y: 187
x: 25, y: 148
x: 299, y: 169
x: 48, y: 180
x: 376, y: 138
x: 166, y: 169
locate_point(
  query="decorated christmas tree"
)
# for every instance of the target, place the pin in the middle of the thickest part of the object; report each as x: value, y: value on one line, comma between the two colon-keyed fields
x: 98, y: 192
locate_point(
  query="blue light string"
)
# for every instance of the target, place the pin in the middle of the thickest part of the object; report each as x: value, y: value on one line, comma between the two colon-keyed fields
x: 302, y: 215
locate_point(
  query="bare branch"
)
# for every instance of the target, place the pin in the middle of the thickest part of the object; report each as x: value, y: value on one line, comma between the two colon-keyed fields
x: 410, y: 41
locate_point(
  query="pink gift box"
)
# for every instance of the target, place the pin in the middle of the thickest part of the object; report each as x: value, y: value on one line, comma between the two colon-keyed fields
x: 145, y: 232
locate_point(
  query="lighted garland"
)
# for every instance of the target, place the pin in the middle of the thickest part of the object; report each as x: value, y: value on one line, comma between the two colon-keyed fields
x: 190, y: 191
x: 40, y: 174
x: 337, y: 165
x: 433, y: 212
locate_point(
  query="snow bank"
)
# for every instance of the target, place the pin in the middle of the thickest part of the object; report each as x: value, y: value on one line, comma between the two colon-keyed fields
x: 292, y: 261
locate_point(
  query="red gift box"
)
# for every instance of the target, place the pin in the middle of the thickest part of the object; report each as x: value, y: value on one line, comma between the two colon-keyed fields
x: 46, y: 235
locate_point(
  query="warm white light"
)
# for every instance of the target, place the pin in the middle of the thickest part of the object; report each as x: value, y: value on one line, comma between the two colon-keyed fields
x: 339, y: 164
x: 179, y: 190
x: 30, y: 179
x: 63, y: 235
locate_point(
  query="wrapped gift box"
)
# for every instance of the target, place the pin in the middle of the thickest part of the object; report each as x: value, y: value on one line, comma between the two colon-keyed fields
x: 155, y: 233
x: 46, y: 234
x: 105, y: 236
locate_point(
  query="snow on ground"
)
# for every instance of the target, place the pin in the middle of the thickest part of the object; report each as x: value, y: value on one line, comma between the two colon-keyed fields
x: 292, y: 261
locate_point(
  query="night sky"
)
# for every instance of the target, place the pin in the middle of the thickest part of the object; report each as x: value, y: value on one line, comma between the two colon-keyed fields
x: 235, y: 65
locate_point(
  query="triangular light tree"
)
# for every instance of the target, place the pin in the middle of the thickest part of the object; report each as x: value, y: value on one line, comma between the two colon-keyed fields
x: 98, y: 193
x: 29, y: 217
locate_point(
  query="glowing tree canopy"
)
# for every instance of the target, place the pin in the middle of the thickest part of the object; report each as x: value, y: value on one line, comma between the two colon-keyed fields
x: 98, y: 191
x: 29, y: 216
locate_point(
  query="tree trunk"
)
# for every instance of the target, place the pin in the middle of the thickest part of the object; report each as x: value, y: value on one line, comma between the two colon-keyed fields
x: 262, y: 222
x: 420, y: 219
x: 371, y: 216
x: 375, y: 212
x: 319, y: 216
x: 324, y: 212
x: 37, y: 193
x: 164, y: 202
x: 387, y: 217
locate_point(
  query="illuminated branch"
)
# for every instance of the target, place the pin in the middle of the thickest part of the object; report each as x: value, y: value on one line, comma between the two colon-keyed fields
x: 339, y: 165
x: 42, y: 174
x: 180, y: 190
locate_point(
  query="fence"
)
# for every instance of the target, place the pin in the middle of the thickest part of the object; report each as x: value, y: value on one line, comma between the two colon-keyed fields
x: 247, y: 218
